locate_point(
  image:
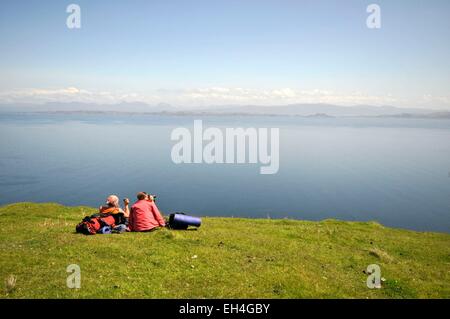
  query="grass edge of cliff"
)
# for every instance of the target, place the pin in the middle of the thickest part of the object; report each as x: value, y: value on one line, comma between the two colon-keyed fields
x: 224, y: 258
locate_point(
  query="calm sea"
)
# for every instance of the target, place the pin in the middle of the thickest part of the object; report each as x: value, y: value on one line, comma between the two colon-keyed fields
x: 394, y: 171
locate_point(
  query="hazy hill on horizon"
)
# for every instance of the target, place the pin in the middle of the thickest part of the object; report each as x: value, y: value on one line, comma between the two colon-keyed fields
x: 289, y: 109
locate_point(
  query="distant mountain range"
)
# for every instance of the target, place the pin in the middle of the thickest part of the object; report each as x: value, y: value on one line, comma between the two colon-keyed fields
x: 135, y: 107
x: 306, y: 110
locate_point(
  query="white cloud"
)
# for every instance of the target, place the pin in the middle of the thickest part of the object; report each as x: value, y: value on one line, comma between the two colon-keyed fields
x: 69, y: 94
x: 282, y: 96
x: 211, y: 96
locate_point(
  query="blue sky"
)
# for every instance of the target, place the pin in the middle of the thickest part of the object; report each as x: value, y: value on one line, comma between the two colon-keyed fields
x: 227, y: 52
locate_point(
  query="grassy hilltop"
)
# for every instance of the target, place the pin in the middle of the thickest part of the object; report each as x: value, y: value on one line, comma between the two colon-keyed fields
x: 225, y: 258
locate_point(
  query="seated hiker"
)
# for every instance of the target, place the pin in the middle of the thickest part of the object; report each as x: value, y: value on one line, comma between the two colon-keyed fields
x: 111, y: 207
x: 145, y: 215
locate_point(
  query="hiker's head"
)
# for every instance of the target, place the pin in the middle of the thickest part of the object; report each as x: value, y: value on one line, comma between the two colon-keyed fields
x: 141, y: 195
x: 112, y: 200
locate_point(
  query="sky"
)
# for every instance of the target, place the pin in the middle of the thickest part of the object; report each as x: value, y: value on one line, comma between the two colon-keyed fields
x: 208, y: 53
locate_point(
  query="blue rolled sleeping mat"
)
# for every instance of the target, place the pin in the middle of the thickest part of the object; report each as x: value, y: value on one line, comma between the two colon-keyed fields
x: 183, y: 221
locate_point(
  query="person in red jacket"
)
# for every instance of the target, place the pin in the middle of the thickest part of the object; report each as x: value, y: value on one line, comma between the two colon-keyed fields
x: 145, y: 215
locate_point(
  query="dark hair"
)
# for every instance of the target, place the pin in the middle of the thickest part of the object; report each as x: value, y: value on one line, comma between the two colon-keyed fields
x: 141, y: 195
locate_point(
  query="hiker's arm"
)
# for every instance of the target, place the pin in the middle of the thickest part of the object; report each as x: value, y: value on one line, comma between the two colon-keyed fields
x: 126, y: 209
x: 158, y: 215
x: 131, y: 220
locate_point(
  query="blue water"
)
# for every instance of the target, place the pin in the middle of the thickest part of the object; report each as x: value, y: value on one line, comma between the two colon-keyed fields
x: 394, y: 171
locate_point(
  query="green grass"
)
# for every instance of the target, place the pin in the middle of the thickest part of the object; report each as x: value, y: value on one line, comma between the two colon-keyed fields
x: 235, y: 258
